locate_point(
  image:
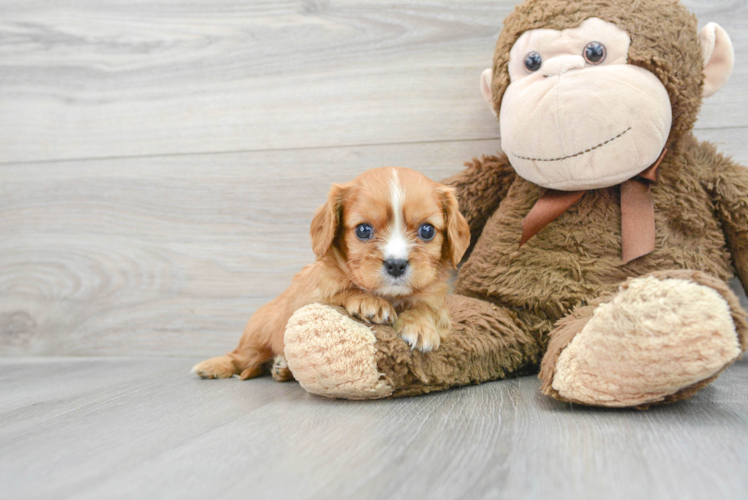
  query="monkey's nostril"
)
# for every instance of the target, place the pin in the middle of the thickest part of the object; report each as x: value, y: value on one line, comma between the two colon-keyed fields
x: 395, y: 267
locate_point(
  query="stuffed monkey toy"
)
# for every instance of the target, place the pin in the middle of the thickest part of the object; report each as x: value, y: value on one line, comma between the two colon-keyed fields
x: 603, y: 236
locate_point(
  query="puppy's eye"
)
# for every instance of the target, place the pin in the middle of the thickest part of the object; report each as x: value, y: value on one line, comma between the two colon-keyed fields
x: 533, y: 61
x: 594, y: 53
x: 364, y: 231
x: 426, y: 232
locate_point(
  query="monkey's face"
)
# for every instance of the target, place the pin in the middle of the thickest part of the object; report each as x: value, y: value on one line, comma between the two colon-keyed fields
x: 576, y: 115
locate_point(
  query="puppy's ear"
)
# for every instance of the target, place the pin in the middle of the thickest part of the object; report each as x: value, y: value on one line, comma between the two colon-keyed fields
x: 327, y: 220
x: 458, y: 230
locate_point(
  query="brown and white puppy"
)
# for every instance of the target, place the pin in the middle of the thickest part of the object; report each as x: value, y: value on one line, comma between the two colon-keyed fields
x: 385, y: 244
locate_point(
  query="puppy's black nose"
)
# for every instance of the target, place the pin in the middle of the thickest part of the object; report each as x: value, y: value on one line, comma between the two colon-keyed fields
x: 395, y: 267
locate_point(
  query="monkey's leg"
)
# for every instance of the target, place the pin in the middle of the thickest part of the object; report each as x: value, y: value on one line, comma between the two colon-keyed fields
x: 659, y: 339
x: 332, y: 355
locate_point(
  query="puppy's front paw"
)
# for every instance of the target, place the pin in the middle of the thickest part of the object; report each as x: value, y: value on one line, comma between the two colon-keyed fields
x: 371, y: 309
x: 421, y: 331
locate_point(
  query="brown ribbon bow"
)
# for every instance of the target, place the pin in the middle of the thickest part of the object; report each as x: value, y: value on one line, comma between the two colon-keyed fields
x: 637, y: 212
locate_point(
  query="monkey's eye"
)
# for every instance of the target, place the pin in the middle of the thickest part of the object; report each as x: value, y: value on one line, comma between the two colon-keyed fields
x: 533, y: 61
x: 426, y: 232
x: 594, y: 53
x: 364, y: 232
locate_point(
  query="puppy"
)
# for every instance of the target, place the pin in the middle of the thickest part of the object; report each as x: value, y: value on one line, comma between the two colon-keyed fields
x: 385, y: 244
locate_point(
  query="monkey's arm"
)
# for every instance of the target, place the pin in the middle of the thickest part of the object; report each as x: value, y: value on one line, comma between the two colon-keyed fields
x: 480, y: 188
x: 729, y: 189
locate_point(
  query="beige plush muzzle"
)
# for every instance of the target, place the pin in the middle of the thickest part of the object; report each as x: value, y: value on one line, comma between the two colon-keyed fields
x: 572, y: 125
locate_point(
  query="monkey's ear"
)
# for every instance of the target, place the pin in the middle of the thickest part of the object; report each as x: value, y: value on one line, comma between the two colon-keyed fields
x: 719, y: 57
x: 485, y: 88
x: 326, y: 221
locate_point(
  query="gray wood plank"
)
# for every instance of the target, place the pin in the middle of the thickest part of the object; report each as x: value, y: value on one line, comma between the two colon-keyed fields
x: 127, y: 78
x: 148, y: 429
x: 171, y: 255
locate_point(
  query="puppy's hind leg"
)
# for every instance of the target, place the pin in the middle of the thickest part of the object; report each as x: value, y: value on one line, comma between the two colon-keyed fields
x: 280, y: 370
x: 253, y: 365
x: 247, y: 364
x: 218, y: 367
x: 262, y: 337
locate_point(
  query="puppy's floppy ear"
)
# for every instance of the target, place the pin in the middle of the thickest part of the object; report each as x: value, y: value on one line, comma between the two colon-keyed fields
x: 326, y: 221
x: 458, y: 230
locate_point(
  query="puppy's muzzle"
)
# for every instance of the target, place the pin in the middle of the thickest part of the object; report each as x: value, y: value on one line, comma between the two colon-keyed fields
x: 395, y: 267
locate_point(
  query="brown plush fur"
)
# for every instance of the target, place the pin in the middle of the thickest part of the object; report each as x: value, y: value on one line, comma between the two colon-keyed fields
x: 509, y: 300
x: 486, y: 344
x: 573, y: 261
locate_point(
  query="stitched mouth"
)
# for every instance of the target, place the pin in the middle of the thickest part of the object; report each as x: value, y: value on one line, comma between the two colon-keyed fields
x: 577, y: 154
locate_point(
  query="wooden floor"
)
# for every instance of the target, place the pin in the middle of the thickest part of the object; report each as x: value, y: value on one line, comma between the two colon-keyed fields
x: 159, y: 166
x: 143, y: 428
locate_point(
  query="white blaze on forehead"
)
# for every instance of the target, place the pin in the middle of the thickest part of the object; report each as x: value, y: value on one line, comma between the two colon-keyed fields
x: 396, y: 246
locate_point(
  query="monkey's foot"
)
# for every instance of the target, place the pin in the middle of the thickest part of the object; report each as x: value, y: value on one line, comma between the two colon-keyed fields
x: 332, y: 355
x: 661, y: 338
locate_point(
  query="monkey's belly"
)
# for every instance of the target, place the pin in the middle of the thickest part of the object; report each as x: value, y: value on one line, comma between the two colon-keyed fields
x: 578, y: 256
